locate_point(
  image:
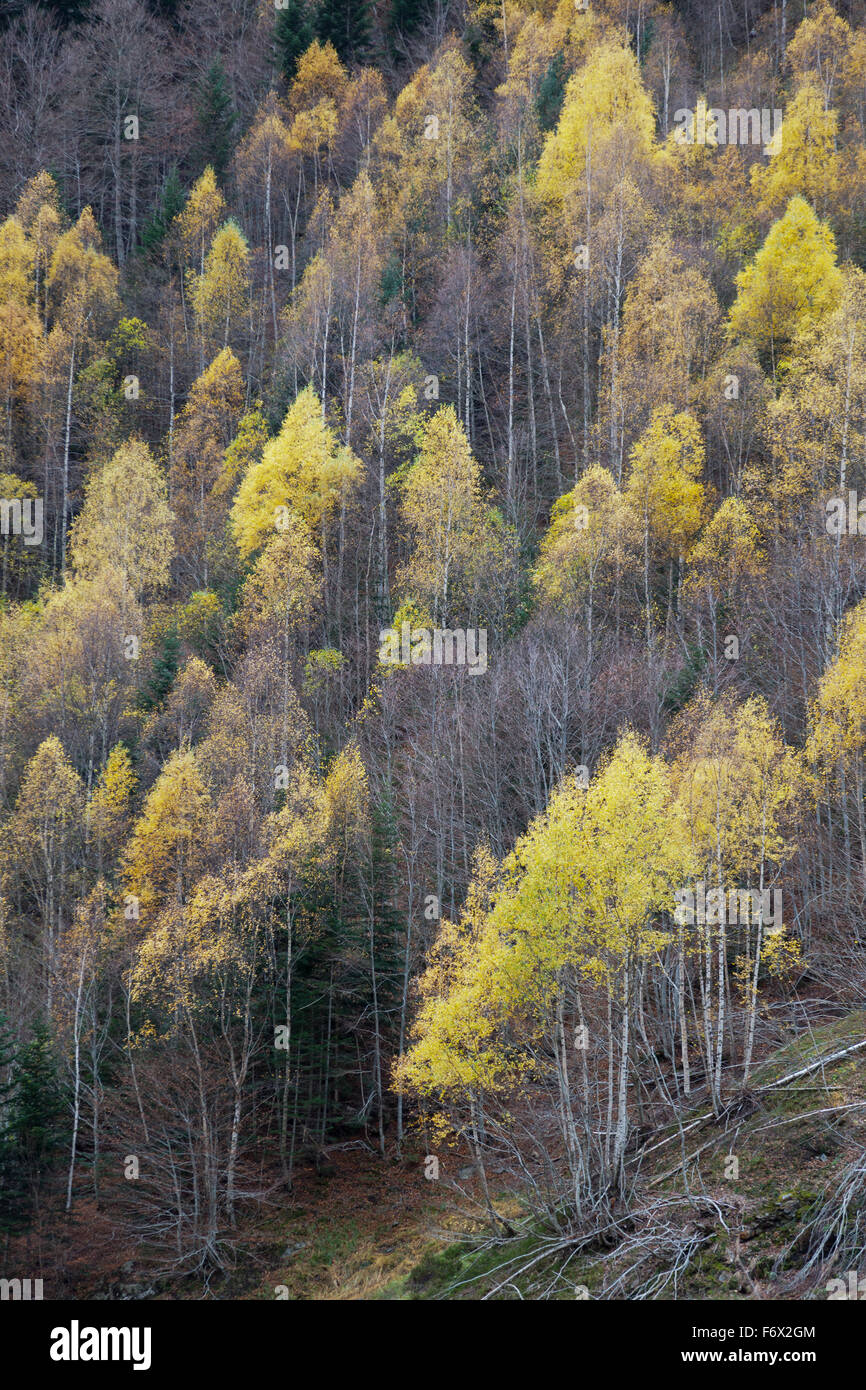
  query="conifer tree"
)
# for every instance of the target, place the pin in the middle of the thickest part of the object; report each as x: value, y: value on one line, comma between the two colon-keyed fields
x: 39, y: 1115
x: 346, y: 24
x: 216, y: 117
x: 294, y: 31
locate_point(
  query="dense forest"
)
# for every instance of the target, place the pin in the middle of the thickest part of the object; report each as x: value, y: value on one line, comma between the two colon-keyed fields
x: 432, y: 647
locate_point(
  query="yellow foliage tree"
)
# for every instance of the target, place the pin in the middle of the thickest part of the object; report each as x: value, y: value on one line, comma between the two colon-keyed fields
x: 666, y: 495
x: 303, y: 469
x: 821, y: 47
x: 125, y: 523
x: 196, y: 225
x: 577, y: 905
x: 727, y: 556
x: 43, y: 842
x: 110, y: 805
x: 81, y: 291
x: 204, y: 433
x: 604, y: 101
x: 592, y: 536
x: 790, y: 286
x: 220, y: 294
x: 285, y: 587
x: 807, y: 161
x: 38, y: 211
x: 167, y: 848
x: 837, y: 720
x: 736, y: 783
x: 442, y: 505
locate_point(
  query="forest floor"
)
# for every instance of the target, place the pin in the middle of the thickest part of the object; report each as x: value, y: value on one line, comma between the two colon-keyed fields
x: 740, y: 1237
x: 364, y: 1228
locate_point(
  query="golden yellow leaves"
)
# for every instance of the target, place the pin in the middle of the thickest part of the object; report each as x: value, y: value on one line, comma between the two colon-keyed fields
x: 837, y: 716
x: 605, y: 101
x: 582, y: 891
x: 303, y: 470
x: 792, y: 283
x: 593, y: 536
x: 125, y: 523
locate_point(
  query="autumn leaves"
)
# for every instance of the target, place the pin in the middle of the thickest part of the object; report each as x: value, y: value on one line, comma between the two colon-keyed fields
x: 577, y: 929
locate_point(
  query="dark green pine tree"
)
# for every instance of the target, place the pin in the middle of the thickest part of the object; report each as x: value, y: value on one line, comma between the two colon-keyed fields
x: 382, y: 927
x: 38, y: 1113
x: 405, y: 18
x: 216, y: 118
x: 162, y: 677
x: 551, y: 93
x: 67, y: 12
x: 171, y: 204
x: 294, y: 31
x: 347, y: 24
x: 346, y: 995
x: 390, y: 926
x: 165, y: 9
